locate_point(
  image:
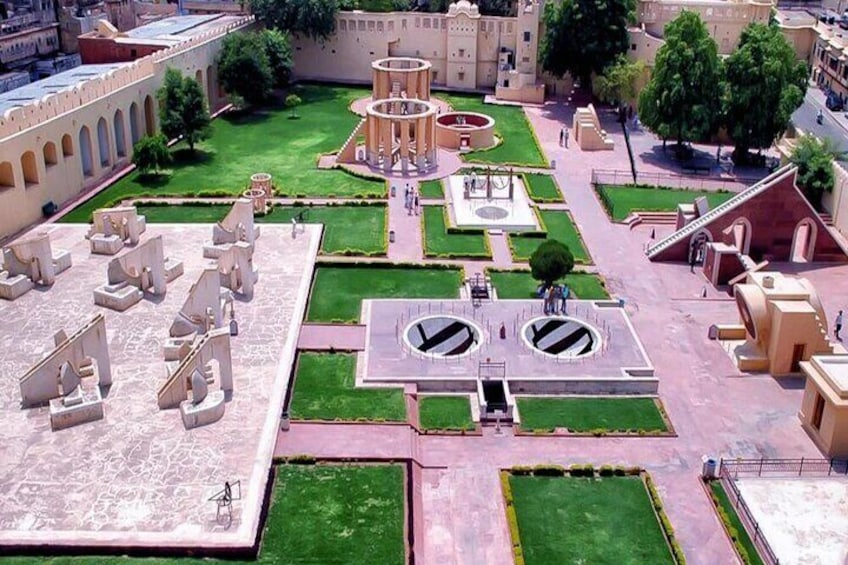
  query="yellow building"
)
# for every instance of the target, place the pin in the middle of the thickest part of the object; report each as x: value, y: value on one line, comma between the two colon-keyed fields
x: 824, y: 410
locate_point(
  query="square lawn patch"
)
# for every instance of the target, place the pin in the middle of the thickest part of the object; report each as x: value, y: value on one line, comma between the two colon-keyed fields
x: 439, y: 243
x: 431, y: 189
x: 337, y: 292
x: 559, y: 226
x: 587, y: 520
x: 325, y: 389
x: 626, y: 199
x: 357, y: 230
x: 590, y: 414
x: 445, y: 413
x: 336, y: 514
x: 520, y: 285
x: 542, y: 188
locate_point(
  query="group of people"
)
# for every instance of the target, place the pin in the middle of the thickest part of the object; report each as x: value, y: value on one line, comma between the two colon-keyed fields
x: 555, y: 299
x: 411, y: 201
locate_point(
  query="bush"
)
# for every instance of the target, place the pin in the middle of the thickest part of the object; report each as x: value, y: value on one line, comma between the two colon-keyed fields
x: 582, y: 471
x: 549, y: 471
x: 520, y: 470
x: 301, y: 460
x: 606, y: 471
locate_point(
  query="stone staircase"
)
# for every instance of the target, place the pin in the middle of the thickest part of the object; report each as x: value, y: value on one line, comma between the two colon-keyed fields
x: 348, y: 151
x: 658, y: 218
x: 692, y: 227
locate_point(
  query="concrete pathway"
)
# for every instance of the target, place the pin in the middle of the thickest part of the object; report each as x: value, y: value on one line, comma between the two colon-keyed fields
x: 323, y: 337
x: 408, y: 244
x: 501, y: 254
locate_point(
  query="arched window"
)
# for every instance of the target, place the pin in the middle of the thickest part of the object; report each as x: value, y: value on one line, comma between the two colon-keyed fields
x: 30, y: 168
x: 86, y: 160
x: 103, y: 142
x: 67, y: 146
x: 50, y: 157
x: 120, y: 138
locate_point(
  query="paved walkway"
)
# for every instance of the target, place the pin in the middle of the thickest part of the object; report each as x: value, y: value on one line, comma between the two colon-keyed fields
x: 408, y: 244
x: 323, y: 337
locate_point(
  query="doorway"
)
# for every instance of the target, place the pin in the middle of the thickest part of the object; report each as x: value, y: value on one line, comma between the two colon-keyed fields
x: 818, y: 412
x: 797, y: 357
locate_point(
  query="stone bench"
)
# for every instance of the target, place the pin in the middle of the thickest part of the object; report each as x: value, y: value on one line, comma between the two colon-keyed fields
x: 209, y: 410
x: 105, y: 244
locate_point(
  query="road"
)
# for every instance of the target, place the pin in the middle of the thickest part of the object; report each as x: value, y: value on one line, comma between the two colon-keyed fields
x: 835, y: 126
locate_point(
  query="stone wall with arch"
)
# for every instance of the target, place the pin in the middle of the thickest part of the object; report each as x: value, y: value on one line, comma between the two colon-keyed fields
x: 92, y: 127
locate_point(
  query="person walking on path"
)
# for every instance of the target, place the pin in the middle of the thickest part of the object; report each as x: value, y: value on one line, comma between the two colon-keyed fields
x: 837, y: 327
x: 416, y: 203
x: 561, y: 135
x: 406, y: 194
x: 563, y: 299
x: 565, y: 137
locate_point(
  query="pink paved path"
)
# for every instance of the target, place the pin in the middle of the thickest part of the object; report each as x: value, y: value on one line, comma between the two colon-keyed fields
x: 343, y: 337
x: 408, y: 245
x: 715, y: 409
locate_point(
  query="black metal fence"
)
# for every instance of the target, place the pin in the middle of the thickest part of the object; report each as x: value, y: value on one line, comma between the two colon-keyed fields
x: 612, y: 178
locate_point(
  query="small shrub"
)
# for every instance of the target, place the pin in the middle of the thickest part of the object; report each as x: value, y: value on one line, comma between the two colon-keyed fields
x: 521, y: 470
x: 606, y: 471
x: 549, y: 471
x: 301, y: 460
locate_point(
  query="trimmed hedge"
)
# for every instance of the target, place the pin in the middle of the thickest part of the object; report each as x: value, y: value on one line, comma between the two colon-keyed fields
x: 512, y: 519
x: 676, y: 550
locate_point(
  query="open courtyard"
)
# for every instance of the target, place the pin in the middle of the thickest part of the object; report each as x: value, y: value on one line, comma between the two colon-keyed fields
x: 392, y: 364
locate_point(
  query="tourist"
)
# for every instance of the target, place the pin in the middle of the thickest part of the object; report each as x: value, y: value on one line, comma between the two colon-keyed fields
x: 415, y: 203
x: 406, y: 194
x: 838, y: 326
x: 555, y: 298
x: 563, y: 291
x: 561, y: 135
x: 549, y: 300
x: 565, y: 137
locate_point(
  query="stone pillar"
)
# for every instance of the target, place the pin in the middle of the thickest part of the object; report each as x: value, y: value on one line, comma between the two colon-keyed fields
x: 386, y: 138
x: 371, y: 141
x: 404, y: 144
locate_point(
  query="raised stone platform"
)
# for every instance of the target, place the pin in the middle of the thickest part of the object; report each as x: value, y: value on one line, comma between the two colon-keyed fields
x: 438, y: 345
x: 137, y: 478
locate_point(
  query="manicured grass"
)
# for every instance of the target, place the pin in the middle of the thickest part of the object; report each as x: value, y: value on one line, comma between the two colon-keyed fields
x: 318, y: 514
x: 590, y: 414
x: 337, y: 292
x: 559, y: 226
x: 741, y: 535
x: 358, y: 230
x: 542, y: 188
x: 445, y: 413
x: 431, y: 189
x: 325, y: 389
x: 519, y: 146
x: 439, y: 243
x: 627, y: 199
x: 519, y: 284
x: 587, y: 520
x: 263, y: 141
x: 336, y: 514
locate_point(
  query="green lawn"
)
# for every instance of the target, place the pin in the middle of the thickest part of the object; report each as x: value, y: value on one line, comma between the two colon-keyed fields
x: 445, y: 413
x: 324, y: 389
x: 585, y: 520
x: 519, y: 284
x: 590, y: 414
x: 742, y: 536
x: 431, y: 189
x: 439, y: 243
x: 336, y: 514
x: 359, y: 230
x: 337, y: 292
x: 543, y: 188
x: 626, y: 199
x: 263, y: 141
x: 318, y: 514
x: 519, y: 146
x: 559, y: 226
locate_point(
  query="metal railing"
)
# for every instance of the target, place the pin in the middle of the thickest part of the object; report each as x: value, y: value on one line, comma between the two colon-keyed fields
x: 746, y: 517
x: 805, y: 466
x: 611, y: 178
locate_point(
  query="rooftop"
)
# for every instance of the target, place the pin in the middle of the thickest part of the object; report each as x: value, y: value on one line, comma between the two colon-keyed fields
x: 168, y: 31
x: 65, y: 80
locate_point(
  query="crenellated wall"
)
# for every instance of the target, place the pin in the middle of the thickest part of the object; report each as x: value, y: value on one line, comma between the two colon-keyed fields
x: 68, y: 142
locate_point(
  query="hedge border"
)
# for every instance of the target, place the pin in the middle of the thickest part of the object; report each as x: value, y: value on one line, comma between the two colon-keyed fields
x: 449, y: 230
x: 729, y: 529
x: 545, y: 235
x: 676, y: 551
x: 542, y: 200
x: 604, y: 432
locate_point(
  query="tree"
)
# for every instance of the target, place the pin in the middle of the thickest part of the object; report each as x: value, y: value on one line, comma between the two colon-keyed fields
x: 278, y: 50
x: 194, y: 113
x: 292, y: 102
x: 182, y: 109
x: 619, y: 80
x: 150, y: 154
x: 682, y: 99
x: 312, y: 18
x: 583, y: 37
x: 243, y: 67
x: 551, y: 261
x: 814, y: 159
x: 764, y: 84
x: 170, y: 96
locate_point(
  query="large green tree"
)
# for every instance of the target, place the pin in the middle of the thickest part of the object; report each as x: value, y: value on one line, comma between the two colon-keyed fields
x: 814, y: 158
x: 244, y: 69
x: 682, y: 99
x: 311, y: 18
x: 279, y: 52
x: 764, y: 84
x: 551, y: 261
x: 619, y: 81
x: 150, y: 154
x: 583, y: 37
x: 182, y: 109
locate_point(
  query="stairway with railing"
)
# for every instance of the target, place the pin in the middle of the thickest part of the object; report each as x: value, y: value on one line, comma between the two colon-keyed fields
x: 692, y: 227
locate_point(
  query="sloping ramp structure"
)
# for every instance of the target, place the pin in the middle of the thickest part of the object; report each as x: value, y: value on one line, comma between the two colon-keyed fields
x: 769, y: 220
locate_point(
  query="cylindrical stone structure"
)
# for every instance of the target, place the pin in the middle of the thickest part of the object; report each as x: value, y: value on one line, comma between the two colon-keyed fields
x: 401, y: 77
x: 401, y: 130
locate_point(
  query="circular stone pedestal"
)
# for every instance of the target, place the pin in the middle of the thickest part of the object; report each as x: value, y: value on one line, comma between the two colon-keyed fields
x: 443, y: 336
x: 561, y: 336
